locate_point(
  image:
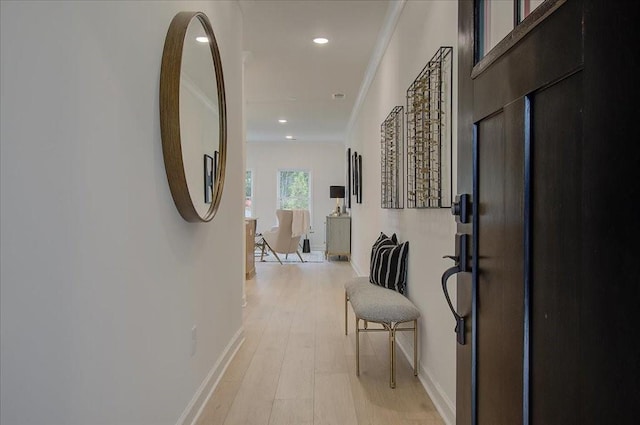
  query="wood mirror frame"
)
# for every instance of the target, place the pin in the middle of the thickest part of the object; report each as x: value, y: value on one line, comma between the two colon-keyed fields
x: 170, y: 117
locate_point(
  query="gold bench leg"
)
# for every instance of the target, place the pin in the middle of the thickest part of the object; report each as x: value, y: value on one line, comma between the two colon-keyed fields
x: 392, y: 328
x: 357, y: 347
x: 346, y: 298
x: 415, y: 347
x: 392, y: 355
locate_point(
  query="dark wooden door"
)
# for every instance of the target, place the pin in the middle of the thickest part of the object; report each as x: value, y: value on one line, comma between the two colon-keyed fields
x: 546, y: 123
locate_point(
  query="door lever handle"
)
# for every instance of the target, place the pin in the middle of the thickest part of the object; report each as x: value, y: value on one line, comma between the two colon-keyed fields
x: 462, y: 265
x: 459, y: 329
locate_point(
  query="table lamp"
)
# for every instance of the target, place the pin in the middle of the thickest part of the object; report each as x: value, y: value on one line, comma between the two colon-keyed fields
x: 336, y: 192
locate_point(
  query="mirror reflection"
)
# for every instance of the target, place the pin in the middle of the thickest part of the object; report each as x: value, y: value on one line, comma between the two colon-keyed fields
x: 199, y: 117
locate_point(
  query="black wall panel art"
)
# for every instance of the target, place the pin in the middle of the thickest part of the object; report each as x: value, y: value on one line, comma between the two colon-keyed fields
x: 429, y: 137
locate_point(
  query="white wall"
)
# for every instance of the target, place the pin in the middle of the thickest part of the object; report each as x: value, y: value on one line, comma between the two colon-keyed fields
x: 101, y: 279
x: 326, y: 162
x: 422, y: 28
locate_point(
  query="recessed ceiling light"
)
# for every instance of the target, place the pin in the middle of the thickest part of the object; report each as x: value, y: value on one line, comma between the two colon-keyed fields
x: 288, y: 137
x: 202, y: 39
x: 320, y: 40
x: 282, y: 121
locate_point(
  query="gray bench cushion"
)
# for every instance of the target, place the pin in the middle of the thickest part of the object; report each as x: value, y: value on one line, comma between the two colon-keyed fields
x: 377, y: 304
x: 353, y: 285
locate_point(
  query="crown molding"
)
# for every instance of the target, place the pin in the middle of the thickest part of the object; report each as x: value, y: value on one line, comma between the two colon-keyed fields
x: 384, y: 37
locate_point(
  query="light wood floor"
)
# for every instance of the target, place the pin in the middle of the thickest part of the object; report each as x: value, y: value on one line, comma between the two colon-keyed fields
x: 297, y: 367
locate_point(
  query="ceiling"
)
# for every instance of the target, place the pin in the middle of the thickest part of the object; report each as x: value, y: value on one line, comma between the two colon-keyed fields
x: 287, y: 76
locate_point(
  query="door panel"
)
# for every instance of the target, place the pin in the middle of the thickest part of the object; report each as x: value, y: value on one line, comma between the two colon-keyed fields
x: 500, y: 276
x: 556, y: 256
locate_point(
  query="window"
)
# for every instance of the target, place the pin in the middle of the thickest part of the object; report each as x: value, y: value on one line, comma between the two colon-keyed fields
x: 294, y: 190
x: 496, y: 23
x: 525, y: 7
x: 248, y: 193
x: 497, y: 18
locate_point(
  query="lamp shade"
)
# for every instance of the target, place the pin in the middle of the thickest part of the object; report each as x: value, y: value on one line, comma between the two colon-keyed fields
x: 336, y: 191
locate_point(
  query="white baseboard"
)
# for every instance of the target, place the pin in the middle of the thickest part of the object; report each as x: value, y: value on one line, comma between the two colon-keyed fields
x: 443, y: 404
x: 358, y: 272
x: 201, y: 397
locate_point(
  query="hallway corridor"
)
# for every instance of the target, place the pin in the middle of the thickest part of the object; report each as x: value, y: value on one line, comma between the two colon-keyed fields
x: 296, y: 366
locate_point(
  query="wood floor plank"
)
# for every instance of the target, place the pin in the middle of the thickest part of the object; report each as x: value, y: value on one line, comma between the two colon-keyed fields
x: 245, y: 412
x: 292, y: 412
x: 296, y: 376
x: 303, y: 339
x: 329, y: 354
x: 333, y: 402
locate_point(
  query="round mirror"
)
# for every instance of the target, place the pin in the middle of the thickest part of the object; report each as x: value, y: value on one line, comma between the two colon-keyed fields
x: 193, y: 116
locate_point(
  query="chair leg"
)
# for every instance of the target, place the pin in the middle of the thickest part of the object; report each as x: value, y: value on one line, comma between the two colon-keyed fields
x: 357, y: 347
x: 298, y: 252
x: 276, y: 255
x: 277, y: 258
x: 262, y: 247
x: 346, y: 317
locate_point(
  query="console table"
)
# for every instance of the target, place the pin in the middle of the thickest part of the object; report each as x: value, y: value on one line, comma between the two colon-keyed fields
x: 338, y: 236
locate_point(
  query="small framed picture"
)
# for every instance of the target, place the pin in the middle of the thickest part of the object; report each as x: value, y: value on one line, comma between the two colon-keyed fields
x: 209, y: 170
x: 216, y: 162
x: 355, y: 174
x: 348, y: 185
x: 359, y: 179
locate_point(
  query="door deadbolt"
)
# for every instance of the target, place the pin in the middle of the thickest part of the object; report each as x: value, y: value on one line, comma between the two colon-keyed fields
x: 461, y: 208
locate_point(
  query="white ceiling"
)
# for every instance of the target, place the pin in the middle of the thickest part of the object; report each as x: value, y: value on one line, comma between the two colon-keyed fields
x: 288, y: 76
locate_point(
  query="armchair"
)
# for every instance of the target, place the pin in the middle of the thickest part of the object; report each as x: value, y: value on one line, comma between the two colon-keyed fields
x: 284, y: 238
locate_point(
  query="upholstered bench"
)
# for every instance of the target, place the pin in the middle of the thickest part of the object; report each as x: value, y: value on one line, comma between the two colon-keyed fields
x: 373, y: 303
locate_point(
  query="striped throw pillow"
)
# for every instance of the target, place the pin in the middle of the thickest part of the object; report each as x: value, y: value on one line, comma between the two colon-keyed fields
x: 389, y: 266
x: 383, y: 240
